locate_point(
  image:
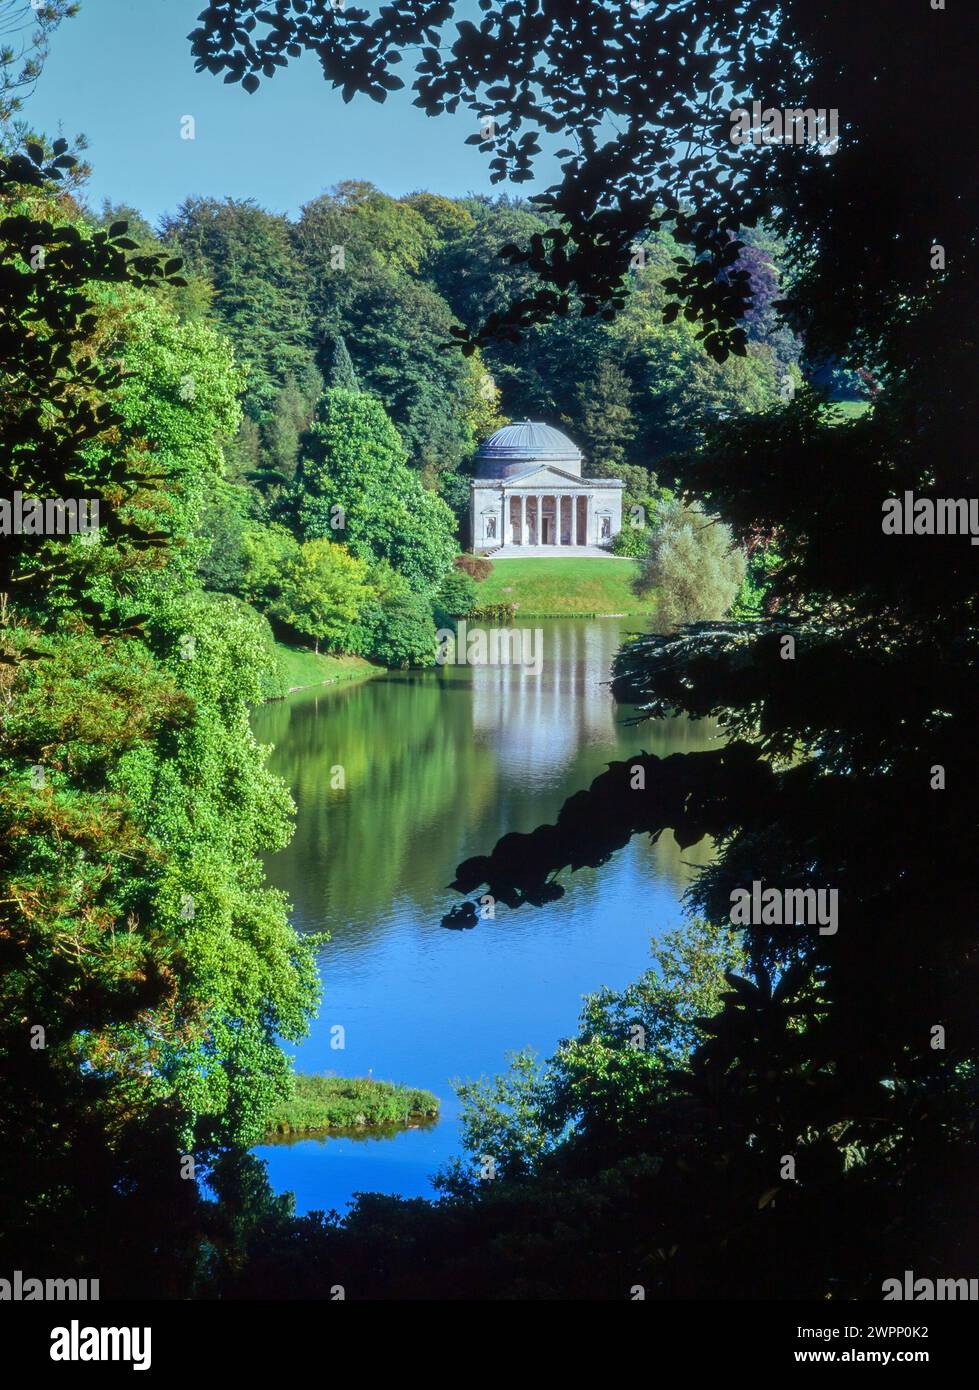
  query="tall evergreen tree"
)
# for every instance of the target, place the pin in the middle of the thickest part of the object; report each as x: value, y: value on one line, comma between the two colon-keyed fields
x: 342, y: 372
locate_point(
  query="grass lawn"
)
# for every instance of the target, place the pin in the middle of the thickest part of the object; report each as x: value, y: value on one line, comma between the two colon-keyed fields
x: 321, y: 1103
x: 570, y: 587
x: 302, y: 667
x: 849, y: 410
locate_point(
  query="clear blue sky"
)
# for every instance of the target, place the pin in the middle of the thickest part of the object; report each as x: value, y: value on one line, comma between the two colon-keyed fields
x: 121, y: 72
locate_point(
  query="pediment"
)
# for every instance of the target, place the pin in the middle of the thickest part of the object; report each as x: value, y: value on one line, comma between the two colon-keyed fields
x: 542, y: 474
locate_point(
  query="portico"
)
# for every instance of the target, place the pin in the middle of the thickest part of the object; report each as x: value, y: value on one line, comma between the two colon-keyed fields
x: 541, y: 518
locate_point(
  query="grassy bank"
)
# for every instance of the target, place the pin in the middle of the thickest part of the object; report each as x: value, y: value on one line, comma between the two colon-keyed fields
x: 301, y: 667
x: 572, y: 588
x: 321, y: 1103
x: 848, y: 410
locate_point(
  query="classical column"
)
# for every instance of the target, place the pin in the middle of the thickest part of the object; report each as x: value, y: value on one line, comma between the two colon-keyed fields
x: 523, y: 518
x: 540, y: 519
x: 503, y: 519
x: 590, y: 519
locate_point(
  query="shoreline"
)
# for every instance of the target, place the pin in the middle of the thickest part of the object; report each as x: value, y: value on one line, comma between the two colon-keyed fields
x: 331, y: 680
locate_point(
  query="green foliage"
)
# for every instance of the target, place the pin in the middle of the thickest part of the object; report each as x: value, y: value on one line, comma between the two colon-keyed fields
x: 60, y: 380
x: 756, y: 586
x: 267, y: 552
x: 181, y: 391
x: 679, y: 387
x: 604, y: 418
x: 692, y: 566
x: 643, y: 504
x: 403, y: 633
x: 354, y: 484
x: 455, y: 597
x: 596, y: 1092
x: 135, y: 921
x: 342, y: 372
x: 631, y: 541
x: 323, y: 593
x: 260, y: 299
x: 395, y: 322
x: 321, y: 1103
x: 280, y: 431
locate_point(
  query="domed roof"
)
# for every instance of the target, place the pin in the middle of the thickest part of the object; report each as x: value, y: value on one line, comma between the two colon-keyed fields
x: 526, y: 442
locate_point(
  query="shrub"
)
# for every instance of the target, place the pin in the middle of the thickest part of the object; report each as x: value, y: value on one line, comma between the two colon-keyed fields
x: 632, y: 541
x: 693, y: 566
x: 501, y: 613
x: 404, y: 632
x: 476, y: 566
x: 455, y: 597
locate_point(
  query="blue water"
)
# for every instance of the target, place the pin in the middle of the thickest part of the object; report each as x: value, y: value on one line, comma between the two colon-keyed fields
x: 437, y: 766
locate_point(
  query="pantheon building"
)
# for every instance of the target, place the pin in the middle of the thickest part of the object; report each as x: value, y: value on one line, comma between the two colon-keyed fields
x: 531, y: 500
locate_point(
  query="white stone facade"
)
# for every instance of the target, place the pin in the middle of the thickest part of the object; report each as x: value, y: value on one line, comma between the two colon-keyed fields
x: 535, y: 499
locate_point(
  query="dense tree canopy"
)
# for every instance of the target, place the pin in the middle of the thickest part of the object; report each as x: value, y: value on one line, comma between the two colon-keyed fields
x: 246, y: 254
x: 147, y: 971
x: 355, y: 486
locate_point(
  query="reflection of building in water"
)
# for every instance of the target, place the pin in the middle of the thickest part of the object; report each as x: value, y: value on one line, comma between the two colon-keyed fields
x: 540, y: 722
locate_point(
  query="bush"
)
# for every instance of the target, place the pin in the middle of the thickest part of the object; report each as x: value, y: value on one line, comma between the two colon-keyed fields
x: 476, y: 566
x: 693, y: 566
x: 455, y: 597
x: 404, y: 632
x: 501, y: 613
x: 632, y: 541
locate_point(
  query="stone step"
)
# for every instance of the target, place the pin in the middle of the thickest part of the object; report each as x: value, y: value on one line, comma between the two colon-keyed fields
x: 550, y: 552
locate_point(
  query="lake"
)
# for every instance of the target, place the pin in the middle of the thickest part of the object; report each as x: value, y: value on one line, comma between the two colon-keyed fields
x: 437, y: 766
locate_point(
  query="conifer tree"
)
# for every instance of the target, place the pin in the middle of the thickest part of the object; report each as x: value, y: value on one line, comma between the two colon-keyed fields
x: 342, y: 372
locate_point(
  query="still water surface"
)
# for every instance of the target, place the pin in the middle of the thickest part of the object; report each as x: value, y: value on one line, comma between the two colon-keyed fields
x: 438, y: 766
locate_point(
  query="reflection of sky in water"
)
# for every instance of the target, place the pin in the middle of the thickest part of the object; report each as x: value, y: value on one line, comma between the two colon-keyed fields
x: 439, y: 765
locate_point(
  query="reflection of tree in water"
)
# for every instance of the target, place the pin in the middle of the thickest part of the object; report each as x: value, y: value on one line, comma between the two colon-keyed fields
x: 435, y: 763
x: 362, y: 1134
x: 412, y: 770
